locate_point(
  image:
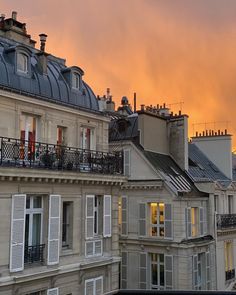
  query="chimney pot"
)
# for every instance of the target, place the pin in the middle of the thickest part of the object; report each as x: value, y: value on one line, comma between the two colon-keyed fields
x: 14, y: 15
x: 164, y: 105
x: 206, y: 132
x: 43, y: 38
x: 219, y: 132
x: 179, y: 113
x: 142, y: 107
x: 196, y: 134
x: 203, y: 133
x: 225, y: 131
x: 158, y: 106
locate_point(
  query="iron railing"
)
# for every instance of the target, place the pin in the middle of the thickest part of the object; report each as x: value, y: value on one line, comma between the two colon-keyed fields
x: 23, y: 153
x: 230, y: 274
x: 34, y: 254
x: 226, y: 221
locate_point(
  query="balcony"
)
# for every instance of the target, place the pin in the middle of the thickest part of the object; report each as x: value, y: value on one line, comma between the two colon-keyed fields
x: 230, y: 274
x: 34, y: 254
x: 28, y: 154
x: 226, y: 221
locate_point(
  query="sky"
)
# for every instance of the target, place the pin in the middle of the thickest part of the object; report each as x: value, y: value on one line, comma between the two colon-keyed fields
x: 168, y: 51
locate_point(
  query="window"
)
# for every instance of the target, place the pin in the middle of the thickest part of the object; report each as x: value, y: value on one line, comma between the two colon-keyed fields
x: 199, y: 271
x: 28, y: 133
x: 229, y: 261
x: 33, y: 229
x: 194, y: 221
x: 67, y: 220
x: 230, y: 204
x: 216, y: 203
x: 157, y: 219
x: 94, y: 286
x: 87, y: 138
x: 61, y: 135
x: 22, y: 62
x: 76, y: 81
x: 196, y: 224
x: 157, y: 271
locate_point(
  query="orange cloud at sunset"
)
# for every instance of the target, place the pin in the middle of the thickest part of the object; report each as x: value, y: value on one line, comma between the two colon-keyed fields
x: 165, y: 50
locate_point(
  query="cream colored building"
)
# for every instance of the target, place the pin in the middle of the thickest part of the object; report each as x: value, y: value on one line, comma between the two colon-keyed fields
x: 59, y: 185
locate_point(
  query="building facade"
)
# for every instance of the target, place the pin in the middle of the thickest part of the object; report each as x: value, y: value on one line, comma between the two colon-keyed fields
x: 59, y: 184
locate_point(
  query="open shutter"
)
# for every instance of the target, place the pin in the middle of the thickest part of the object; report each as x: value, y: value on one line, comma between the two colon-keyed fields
x: 124, y: 268
x: 142, y: 219
x: 89, y: 248
x: 168, y: 272
x: 107, y: 216
x: 143, y: 270
x: 99, y: 286
x: 195, y: 273
x: 89, y: 227
x: 208, y: 273
x: 168, y: 221
x: 54, y: 291
x: 188, y: 223
x: 54, y: 229
x: 127, y: 162
x: 124, y: 223
x: 17, y: 233
x: 204, y: 220
x: 89, y: 286
x: 98, y: 247
x: 201, y: 221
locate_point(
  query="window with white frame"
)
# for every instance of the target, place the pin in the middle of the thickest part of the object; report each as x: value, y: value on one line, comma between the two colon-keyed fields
x: 196, y: 224
x: 216, y: 203
x: 230, y: 204
x: 87, y: 138
x: 157, y: 271
x: 156, y: 219
x: 76, y: 80
x: 94, y: 286
x: 229, y: 260
x: 22, y: 63
x: 201, y: 271
x: 67, y: 224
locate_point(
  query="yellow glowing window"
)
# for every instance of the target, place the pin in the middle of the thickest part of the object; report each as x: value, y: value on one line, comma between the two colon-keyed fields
x: 157, y: 219
x: 228, y: 256
x: 194, y: 221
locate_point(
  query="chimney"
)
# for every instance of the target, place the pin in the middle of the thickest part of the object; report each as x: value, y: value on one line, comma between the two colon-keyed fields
x: 42, y: 56
x: 14, y: 15
x: 43, y: 38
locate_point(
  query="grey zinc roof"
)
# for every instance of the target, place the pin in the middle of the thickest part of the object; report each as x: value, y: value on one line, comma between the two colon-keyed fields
x: 52, y: 86
x: 202, y: 169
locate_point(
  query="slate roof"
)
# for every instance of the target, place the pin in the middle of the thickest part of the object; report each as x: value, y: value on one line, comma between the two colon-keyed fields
x: 202, y: 169
x: 52, y: 87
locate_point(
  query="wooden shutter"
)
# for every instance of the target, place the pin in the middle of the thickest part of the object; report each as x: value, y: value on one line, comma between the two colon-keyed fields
x: 89, y: 286
x: 143, y: 270
x: 99, y: 286
x: 142, y: 219
x: 204, y: 220
x: 168, y: 222
x: 195, y: 273
x: 89, y: 227
x: 201, y: 221
x: 54, y: 291
x: 208, y: 271
x: 54, y: 229
x: 168, y: 272
x: 98, y: 247
x: 89, y: 248
x: 124, y: 221
x: 107, y: 216
x: 188, y: 223
x: 124, y: 269
x: 127, y: 162
x: 17, y: 233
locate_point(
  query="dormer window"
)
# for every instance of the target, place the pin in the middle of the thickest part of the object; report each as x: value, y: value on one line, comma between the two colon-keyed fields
x: 22, y: 63
x: 76, y: 81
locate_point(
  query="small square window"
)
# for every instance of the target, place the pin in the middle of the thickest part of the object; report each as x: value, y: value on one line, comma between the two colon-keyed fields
x: 22, y: 63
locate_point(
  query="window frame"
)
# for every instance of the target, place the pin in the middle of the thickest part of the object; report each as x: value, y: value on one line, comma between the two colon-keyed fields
x: 76, y: 80
x: 68, y: 243
x: 158, y: 225
x: 158, y: 264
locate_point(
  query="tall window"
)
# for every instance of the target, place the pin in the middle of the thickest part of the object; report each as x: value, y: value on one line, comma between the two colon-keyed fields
x: 157, y: 271
x: 199, y: 271
x: 61, y: 135
x: 75, y: 80
x: 27, y: 136
x: 194, y: 221
x: 229, y: 265
x: 94, y: 286
x: 157, y: 219
x: 67, y: 220
x: 22, y: 63
x: 230, y: 204
x: 216, y: 203
x: 87, y: 138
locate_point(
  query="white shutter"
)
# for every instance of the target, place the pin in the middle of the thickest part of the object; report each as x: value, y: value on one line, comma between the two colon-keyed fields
x: 124, y: 224
x: 98, y: 247
x: 201, y: 221
x: 143, y: 270
x: 99, y: 286
x: 89, y: 248
x: 124, y: 268
x: 188, y: 223
x: 208, y: 271
x: 89, y: 286
x: 89, y: 226
x: 17, y: 233
x: 54, y: 291
x: 107, y: 216
x: 54, y: 229
x: 127, y: 162
x: 195, y: 273
x: 205, y: 220
x: 168, y: 221
x: 142, y: 219
x: 168, y: 272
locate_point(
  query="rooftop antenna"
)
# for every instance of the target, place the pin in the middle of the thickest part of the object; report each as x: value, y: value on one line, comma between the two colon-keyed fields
x: 135, y: 102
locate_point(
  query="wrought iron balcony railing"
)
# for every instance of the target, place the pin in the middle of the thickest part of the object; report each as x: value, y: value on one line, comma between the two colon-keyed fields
x: 22, y: 153
x: 226, y: 221
x: 230, y: 274
x: 34, y: 254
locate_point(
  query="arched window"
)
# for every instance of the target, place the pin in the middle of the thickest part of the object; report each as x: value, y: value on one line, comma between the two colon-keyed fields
x: 22, y: 62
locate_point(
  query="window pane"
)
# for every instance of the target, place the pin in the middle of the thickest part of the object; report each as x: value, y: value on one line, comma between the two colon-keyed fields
x: 36, y: 231
x: 154, y: 213
x: 162, y: 281
x: 27, y: 230
x: 154, y: 274
x: 37, y: 202
x: 22, y: 62
x: 161, y: 213
x: 27, y: 202
x: 161, y: 258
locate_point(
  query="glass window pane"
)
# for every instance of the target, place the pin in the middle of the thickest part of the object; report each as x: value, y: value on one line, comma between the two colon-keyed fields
x: 37, y: 203
x: 161, y: 213
x: 162, y: 280
x: 27, y: 230
x: 36, y: 230
x: 161, y: 258
x: 27, y: 202
x: 154, y: 274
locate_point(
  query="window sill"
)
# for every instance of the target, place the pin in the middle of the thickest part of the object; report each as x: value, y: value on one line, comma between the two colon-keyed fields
x: 66, y: 251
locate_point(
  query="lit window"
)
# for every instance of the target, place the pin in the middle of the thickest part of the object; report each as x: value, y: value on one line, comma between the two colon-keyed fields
x: 228, y: 256
x: 194, y: 221
x: 75, y: 80
x: 157, y: 219
x: 22, y: 63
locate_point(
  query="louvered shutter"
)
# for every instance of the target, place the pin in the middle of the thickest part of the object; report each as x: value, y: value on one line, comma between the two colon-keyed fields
x: 54, y: 229
x: 124, y: 268
x: 98, y: 247
x: 168, y: 221
x: 143, y: 270
x: 89, y: 216
x: 168, y: 272
x: 195, y: 273
x: 201, y: 221
x: 208, y: 273
x: 99, y: 286
x: 17, y: 233
x: 124, y: 223
x: 205, y: 220
x: 107, y: 216
x: 54, y: 291
x: 188, y: 222
x: 89, y: 286
x: 127, y: 162
x: 89, y: 248
x: 142, y: 219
